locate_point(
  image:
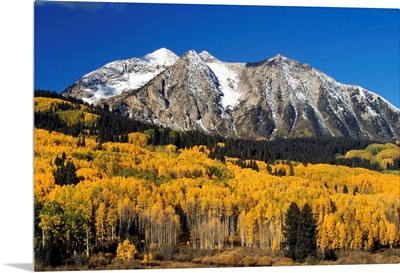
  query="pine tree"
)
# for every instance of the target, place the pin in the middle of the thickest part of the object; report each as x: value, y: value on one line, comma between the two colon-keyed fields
x: 299, y: 231
x: 70, y: 171
x: 290, y: 230
x: 345, y: 189
x: 269, y: 169
x: 355, y: 190
x: 306, y: 245
x: 65, y: 173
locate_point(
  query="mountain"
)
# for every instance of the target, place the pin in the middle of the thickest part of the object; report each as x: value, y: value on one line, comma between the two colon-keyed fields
x: 277, y: 97
x: 119, y: 76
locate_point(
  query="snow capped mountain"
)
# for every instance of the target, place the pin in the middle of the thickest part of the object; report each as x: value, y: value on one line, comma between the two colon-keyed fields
x: 119, y: 76
x: 162, y: 56
x: 277, y: 97
x: 185, y: 96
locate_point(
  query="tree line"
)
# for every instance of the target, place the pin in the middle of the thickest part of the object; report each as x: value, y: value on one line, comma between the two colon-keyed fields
x: 111, y: 126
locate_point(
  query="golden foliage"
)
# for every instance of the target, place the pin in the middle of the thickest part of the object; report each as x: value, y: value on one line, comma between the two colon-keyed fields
x: 383, y: 154
x: 133, y: 183
x: 46, y: 104
x: 126, y: 250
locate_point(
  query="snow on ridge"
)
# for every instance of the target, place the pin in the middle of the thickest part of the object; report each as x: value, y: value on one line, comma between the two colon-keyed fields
x: 336, y: 94
x: 197, y: 67
x: 271, y: 103
x: 161, y: 56
x: 376, y: 96
x: 101, y: 93
x: 228, y: 80
x: 113, y: 78
x: 299, y: 94
x: 291, y: 80
x: 139, y: 80
x: 200, y: 123
x: 207, y: 57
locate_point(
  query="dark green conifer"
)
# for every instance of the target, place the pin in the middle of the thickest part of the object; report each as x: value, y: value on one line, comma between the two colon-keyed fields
x: 269, y: 169
x: 306, y: 235
x: 290, y: 230
x: 355, y: 190
x: 345, y: 189
x: 299, y: 231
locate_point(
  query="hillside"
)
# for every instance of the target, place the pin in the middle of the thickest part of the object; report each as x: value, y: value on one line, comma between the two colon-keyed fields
x: 74, y: 119
x: 183, y: 206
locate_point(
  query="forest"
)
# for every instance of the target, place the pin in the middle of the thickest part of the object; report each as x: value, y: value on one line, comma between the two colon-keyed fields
x: 114, y: 193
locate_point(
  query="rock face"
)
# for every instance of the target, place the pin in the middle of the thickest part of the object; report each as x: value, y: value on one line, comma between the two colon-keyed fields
x: 275, y: 97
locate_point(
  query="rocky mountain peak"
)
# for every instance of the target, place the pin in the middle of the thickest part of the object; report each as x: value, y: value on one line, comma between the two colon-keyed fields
x: 161, y: 56
x: 207, y: 57
x: 278, y: 57
x: 277, y: 97
x: 192, y: 56
x: 197, y: 69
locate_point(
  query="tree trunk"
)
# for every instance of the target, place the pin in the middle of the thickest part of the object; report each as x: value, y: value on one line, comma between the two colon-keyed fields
x: 87, y: 243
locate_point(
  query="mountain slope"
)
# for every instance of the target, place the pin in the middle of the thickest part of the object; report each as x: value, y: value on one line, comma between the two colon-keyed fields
x: 277, y: 97
x: 119, y: 76
x: 294, y: 99
x: 186, y: 96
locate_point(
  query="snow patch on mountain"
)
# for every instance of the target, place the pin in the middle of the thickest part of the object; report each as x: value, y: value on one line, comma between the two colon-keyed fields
x: 207, y: 57
x: 291, y: 80
x: 198, y: 69
x: 271, y: 103
x: 200, y: 123
x: 138, y: 80
x: 228, y: 80
x: 116, y: 77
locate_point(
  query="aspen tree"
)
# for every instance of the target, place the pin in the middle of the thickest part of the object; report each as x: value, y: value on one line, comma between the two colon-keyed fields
x: 126, y: 250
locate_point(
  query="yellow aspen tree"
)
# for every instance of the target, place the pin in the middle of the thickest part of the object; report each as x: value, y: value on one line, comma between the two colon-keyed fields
x: 342, y: 236
x: 242, y: 227
x: 392, y: 234
x: 126, y: 251
x: 112, y: 220
x: 250, y: 228
x: 357, y: 242
x: 100, y: 222
x: 147, y: 258
x: 382, y: 232
x: 373, y: 230
x: 324, y: 237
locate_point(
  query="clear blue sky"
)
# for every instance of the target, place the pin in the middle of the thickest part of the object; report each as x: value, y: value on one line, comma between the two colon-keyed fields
x: 357, y: 46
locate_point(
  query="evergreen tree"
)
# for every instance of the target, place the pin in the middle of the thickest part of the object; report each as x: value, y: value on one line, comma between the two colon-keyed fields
x: 269, y: 169
x: 355, y: 190
x: 156, y: 137
x: 299, y: 231
x: 290, y: 230
x: 306, y: 245
x: 345, y: 189
x: 70, y: 171
x: 81, y: 141
x: 65, y: 173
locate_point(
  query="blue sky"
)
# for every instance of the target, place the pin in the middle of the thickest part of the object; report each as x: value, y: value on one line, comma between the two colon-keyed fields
x: 357, y: 46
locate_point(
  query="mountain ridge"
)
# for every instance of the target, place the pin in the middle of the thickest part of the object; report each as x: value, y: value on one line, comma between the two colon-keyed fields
x: 276, y: 97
